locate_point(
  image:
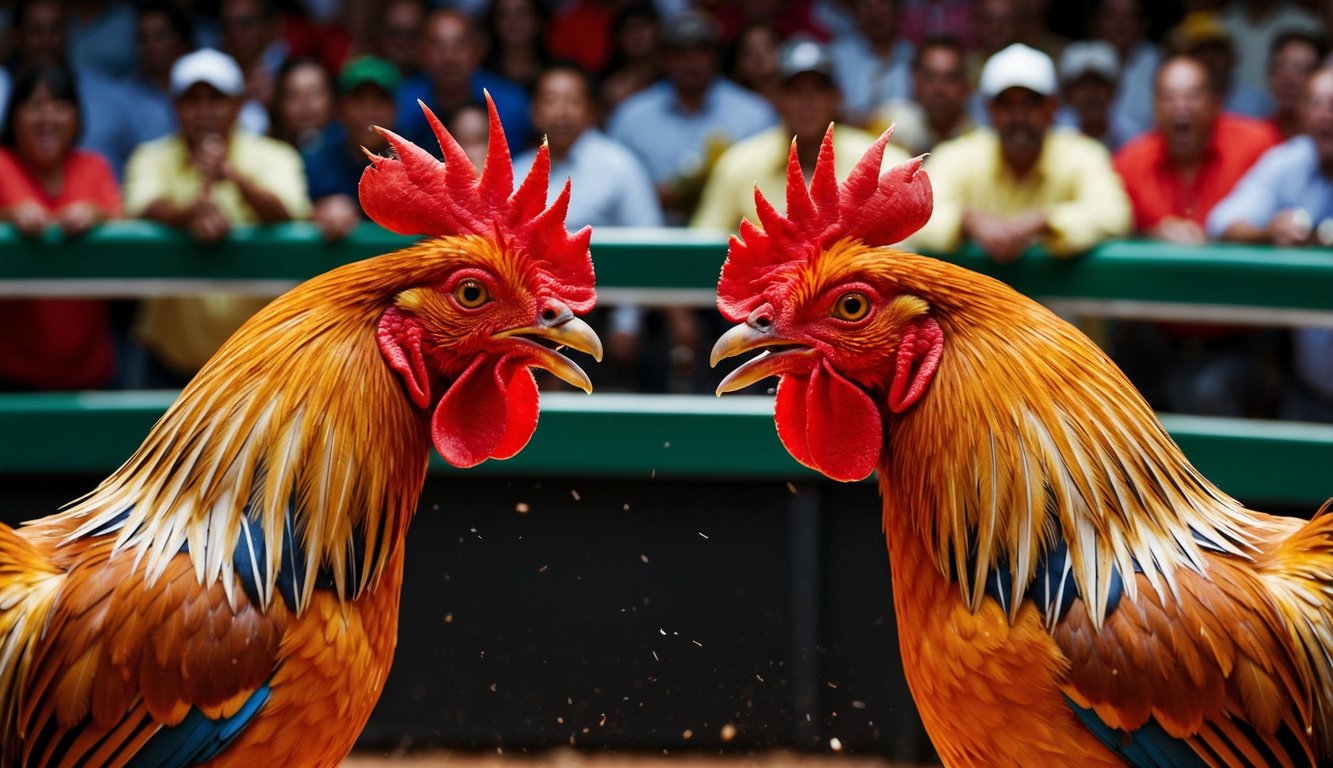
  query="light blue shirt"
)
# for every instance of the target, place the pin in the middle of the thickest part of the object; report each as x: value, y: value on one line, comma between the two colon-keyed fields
x: 672, y: 142
x: 110, y: 126
x: 608, y: 185
x: 1286, y: 176
x: 1134, y: 90
x: 867, y: 81
x: 105, y: 44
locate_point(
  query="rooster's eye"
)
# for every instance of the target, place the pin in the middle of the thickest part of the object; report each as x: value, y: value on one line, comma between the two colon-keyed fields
x: 852, y: 306
x: 471, y: 294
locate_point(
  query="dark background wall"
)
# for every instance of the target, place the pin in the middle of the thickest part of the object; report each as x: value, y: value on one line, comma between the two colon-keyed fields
x: 634, y: 614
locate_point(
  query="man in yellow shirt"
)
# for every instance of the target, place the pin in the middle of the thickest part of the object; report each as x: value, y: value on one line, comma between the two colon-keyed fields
x: 807, y: 101
x: 1020, y: 181
x: 205, y: 179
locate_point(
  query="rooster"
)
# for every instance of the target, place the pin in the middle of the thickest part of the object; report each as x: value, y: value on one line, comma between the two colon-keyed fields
x: 1070, y: 591
x: 229, y: 596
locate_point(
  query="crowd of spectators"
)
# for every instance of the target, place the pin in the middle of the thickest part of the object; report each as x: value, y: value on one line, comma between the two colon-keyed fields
x: 1059, y: 125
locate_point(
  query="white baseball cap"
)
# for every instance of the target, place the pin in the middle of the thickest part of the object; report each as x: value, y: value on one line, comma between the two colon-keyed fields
x: 1018, y: 66
x: 1095, y: 57
x: 207, y: 66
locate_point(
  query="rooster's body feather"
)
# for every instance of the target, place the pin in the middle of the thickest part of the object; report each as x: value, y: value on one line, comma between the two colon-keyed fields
x: 229, y: 596
x: 1069, y: 589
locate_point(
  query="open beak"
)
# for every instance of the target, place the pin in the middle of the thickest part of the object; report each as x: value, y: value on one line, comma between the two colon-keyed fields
x: 563, y: 330
x: 744, y: 338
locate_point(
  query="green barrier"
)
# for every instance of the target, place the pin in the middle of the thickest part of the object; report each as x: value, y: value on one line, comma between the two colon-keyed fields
x: 121, y: 258
x: 645, y: 436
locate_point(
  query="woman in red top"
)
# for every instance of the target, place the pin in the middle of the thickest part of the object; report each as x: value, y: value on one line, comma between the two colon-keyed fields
x: 46, y: 182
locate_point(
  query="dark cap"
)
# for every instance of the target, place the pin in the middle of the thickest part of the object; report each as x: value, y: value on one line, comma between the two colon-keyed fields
x: 804, y: 54
x: 691, y: 30
x: 370, y: 70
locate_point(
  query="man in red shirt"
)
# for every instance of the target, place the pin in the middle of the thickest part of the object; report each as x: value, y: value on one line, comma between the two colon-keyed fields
x: 1174, y: 175
x: 1195, y: 154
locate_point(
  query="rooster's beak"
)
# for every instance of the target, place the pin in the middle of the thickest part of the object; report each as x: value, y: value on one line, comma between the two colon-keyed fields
x: 746, y: 337
x: 561, y: 327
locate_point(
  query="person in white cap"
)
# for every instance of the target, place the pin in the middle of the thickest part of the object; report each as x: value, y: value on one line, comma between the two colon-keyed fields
x: 808, y: 100
x: 205, y: 179
x: 1018, y: 182
x: 1089, y: 80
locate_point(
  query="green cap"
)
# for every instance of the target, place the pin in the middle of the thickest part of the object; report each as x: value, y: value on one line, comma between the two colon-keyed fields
x: 369, y: 69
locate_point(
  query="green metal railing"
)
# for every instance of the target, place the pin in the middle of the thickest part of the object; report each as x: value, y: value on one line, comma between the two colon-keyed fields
x: 664, y: 436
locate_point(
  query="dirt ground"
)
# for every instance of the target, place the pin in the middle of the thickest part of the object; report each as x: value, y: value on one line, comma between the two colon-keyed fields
x: 568, y: 758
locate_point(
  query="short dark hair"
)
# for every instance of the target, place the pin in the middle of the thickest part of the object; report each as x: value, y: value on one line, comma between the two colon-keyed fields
x: 1315, y: 40
x: 57, y: 78
x: 178, y: 20
x: 570, y: 67
x: 948, y: 42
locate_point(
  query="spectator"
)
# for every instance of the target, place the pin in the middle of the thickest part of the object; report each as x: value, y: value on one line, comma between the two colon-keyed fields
x: 581, y: 32
x: 1035, y: 32
x: 1287, y: 199
x: 317, y: 29
x: 999, y: 25
x: 470, y: 126
x: 399, y: 25
x: 367, y: 91
x: 1202, y: 36
x: 40, y: 39
x: 1174, y: 176
x: 808, y: 101
x: 922, y: 20
x: 163, y: 35
x: 752, y: 59
x: 1122, y: 24
x: 101, y: 38
x: 789, y: 18
x: 1294, y: 57
x: 636, y: 55
x: 1020, y: 182
x: 517, y: 51
x: 1089, y: 72
x: 205, y: 179
x: 302, y: 102
x: 938, y: 109
x: 1254, y: 25
x: 450, y: 51
x: 252, y: 35
x: 608, y: 187
x: 873, y: 63
x: 678, y: 126
x: 45, y: 181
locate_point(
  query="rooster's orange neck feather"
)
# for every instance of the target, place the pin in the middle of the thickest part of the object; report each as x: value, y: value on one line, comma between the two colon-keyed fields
x: 298, y: 407
x: 1028, y: 433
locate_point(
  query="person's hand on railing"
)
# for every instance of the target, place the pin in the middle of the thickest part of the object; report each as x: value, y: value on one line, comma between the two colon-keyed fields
x: 336, y: 216
x: 29, y: 218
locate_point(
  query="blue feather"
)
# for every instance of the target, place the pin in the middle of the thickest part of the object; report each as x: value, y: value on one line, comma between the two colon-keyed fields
x: 197, y: 739
x: 1148, y: 746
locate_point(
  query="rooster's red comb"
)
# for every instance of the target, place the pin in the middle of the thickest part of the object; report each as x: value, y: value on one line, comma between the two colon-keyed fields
x: 875, y: 208
x: 415, y: 194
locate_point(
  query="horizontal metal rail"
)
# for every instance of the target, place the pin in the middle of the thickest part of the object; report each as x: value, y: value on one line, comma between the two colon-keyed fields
x: 648, y: 437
